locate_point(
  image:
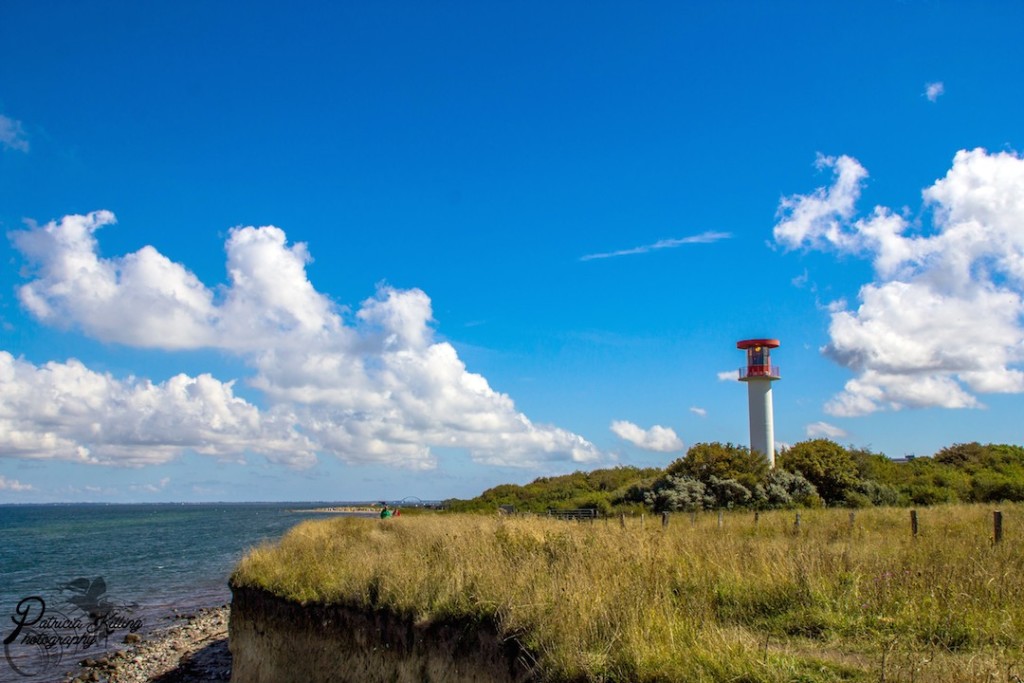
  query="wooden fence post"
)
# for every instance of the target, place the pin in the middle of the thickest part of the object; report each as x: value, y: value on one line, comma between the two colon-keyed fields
x: 796, y: 523
x: 997, y: 526
x: 913, y: 523
x: 693, y: 518
x: 852, y: 518
x: 719, y: 519
x: 622, y: 519
x: 664, y: 520
x: 757, y: 518
x: 641, y: 521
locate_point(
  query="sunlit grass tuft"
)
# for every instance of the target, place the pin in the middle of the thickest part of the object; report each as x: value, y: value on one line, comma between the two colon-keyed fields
x: 691, y: 602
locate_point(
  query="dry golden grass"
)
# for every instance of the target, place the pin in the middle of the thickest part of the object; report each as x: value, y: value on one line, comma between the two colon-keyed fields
x: 691, y: 602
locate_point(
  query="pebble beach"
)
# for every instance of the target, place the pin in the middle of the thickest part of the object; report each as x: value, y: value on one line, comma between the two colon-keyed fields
x: 193, y: 650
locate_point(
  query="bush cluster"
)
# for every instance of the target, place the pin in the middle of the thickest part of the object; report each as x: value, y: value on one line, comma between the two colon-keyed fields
x: 602, y: 490
x: 812, y: 473
x: 821, y: 472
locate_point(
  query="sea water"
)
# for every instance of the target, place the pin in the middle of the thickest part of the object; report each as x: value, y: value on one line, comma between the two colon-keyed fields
x: 134, y: 565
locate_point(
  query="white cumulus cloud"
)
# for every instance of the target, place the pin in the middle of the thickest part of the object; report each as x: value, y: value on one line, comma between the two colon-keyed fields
x: 12, y: 134
x: 379, y: 389
x: 818, y: 430
x: 934, y: 90
x: 818, y: 219
x: 942, y: 320
x: 657, y: 438
x: 13, y: 485
x: 728, y: 375
x: 65, y: 411
x: 701, y: 412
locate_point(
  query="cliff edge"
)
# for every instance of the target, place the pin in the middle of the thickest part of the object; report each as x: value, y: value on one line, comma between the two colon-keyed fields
x: 273, y: 639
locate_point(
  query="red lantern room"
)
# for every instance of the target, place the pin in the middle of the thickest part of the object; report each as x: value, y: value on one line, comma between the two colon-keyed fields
x: 759, y: 375
x: 759, y: 361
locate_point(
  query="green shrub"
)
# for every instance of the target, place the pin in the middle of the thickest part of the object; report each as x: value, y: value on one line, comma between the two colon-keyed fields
x: 991, y: 487
x: 673, y: 493
x: 929, y: 494
x: 725, y: 493
x: 869, y: 492
x: 723, y: 461
x: 825, y: 464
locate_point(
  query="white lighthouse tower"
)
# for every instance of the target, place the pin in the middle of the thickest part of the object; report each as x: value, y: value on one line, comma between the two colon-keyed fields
x: 759, y: 375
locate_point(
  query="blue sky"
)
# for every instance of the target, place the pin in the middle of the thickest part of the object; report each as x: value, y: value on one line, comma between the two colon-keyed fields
x: 364, y: 251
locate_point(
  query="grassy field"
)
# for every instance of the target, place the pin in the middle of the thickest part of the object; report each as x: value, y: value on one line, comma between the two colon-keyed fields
x: 693, y: 601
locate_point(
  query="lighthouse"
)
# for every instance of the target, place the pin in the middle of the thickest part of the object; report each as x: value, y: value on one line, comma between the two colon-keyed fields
x: 759, y: 375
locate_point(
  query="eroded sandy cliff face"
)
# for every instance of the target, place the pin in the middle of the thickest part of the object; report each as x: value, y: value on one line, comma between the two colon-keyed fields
x: 273, y: 640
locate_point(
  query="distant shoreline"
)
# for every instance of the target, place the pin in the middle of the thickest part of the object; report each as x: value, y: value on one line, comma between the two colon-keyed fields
x: 209, y: 503
x: 343, y: 510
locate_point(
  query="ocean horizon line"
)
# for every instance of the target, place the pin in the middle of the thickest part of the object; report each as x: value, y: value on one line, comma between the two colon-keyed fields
x: 305, y: 503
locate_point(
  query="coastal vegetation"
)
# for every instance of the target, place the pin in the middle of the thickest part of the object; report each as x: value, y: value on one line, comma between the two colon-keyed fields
x: 600, y: 489
x: 809, y: 474
x: 839, y: 595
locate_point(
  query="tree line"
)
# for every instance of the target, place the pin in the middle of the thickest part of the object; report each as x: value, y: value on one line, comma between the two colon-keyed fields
x: 812, y: 473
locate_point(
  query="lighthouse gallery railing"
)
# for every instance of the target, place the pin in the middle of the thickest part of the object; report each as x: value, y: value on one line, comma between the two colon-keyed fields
x: 760, y: 371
